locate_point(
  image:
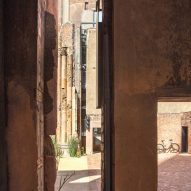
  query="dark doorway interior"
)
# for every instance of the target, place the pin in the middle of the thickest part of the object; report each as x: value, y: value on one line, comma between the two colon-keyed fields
x: 184, y: 139
x: 96, y: 139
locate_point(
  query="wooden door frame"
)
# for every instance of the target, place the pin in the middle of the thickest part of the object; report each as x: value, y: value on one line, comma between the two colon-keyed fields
x: 3, y: 146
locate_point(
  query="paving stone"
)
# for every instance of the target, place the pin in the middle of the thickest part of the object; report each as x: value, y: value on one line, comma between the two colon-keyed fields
x: 174, y: 172
x: 87, y: 173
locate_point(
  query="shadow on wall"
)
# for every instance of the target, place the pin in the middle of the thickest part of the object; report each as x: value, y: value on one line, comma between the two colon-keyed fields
x: 50, y: 55
x: 49, y: 59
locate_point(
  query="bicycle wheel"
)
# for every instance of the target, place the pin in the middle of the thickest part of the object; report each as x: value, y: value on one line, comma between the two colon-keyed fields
x: 175, y: 148
x: 160, y: 148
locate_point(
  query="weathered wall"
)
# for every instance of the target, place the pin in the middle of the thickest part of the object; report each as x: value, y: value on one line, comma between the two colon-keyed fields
x: 151, y: 59
x: 169, y: 127
x: 21, y: 85
x: 3, y: 151
x: 77, y: 7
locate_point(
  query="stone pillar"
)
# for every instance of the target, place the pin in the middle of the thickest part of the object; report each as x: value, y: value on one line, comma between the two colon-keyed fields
x: 69, y: 95
x: 64, y: 98
x: 74, y: 112
x: 59, y: 74
x: 58, y: 130
x: 67, y: 40
x: 77, y: 81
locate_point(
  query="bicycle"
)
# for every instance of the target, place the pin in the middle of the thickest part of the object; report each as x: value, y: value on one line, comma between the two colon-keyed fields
x: 173, y: 147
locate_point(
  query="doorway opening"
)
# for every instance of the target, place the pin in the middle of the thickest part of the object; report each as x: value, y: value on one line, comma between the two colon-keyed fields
x: 184, y: 140
x: 173, y: 127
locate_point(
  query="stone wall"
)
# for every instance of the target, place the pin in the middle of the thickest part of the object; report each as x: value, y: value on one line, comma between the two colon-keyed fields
x: 169, y: 127
x: 71, y: 11
x: 77, y: 7
x: 151, y: 60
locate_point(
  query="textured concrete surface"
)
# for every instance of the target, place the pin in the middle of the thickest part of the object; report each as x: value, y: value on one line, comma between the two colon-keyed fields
x: 174, y: 172
x: 87, y: 173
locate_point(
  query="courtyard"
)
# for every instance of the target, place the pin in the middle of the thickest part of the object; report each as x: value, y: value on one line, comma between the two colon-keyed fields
x: 174, y: 172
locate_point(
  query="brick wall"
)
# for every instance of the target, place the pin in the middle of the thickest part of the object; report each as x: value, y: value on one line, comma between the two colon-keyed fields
x: 169, y: 127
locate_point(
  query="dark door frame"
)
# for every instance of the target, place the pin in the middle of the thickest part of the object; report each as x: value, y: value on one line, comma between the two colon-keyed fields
x: 184, y: 147
x: 3, y: 146
x: 107, y: 104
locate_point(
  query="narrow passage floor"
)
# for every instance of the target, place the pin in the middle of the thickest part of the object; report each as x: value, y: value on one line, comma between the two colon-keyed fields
x: 87, y: 175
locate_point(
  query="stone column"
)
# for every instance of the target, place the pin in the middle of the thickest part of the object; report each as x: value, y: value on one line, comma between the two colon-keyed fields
x: 66, y: 80
x: 58, y: 130
x: 64, y: 97
x: 74, y: 112
x: 69, y: 95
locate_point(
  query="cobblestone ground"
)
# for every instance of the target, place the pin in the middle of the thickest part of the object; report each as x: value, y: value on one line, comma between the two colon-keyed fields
x: 87, y: 175
x: 174, y: 172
